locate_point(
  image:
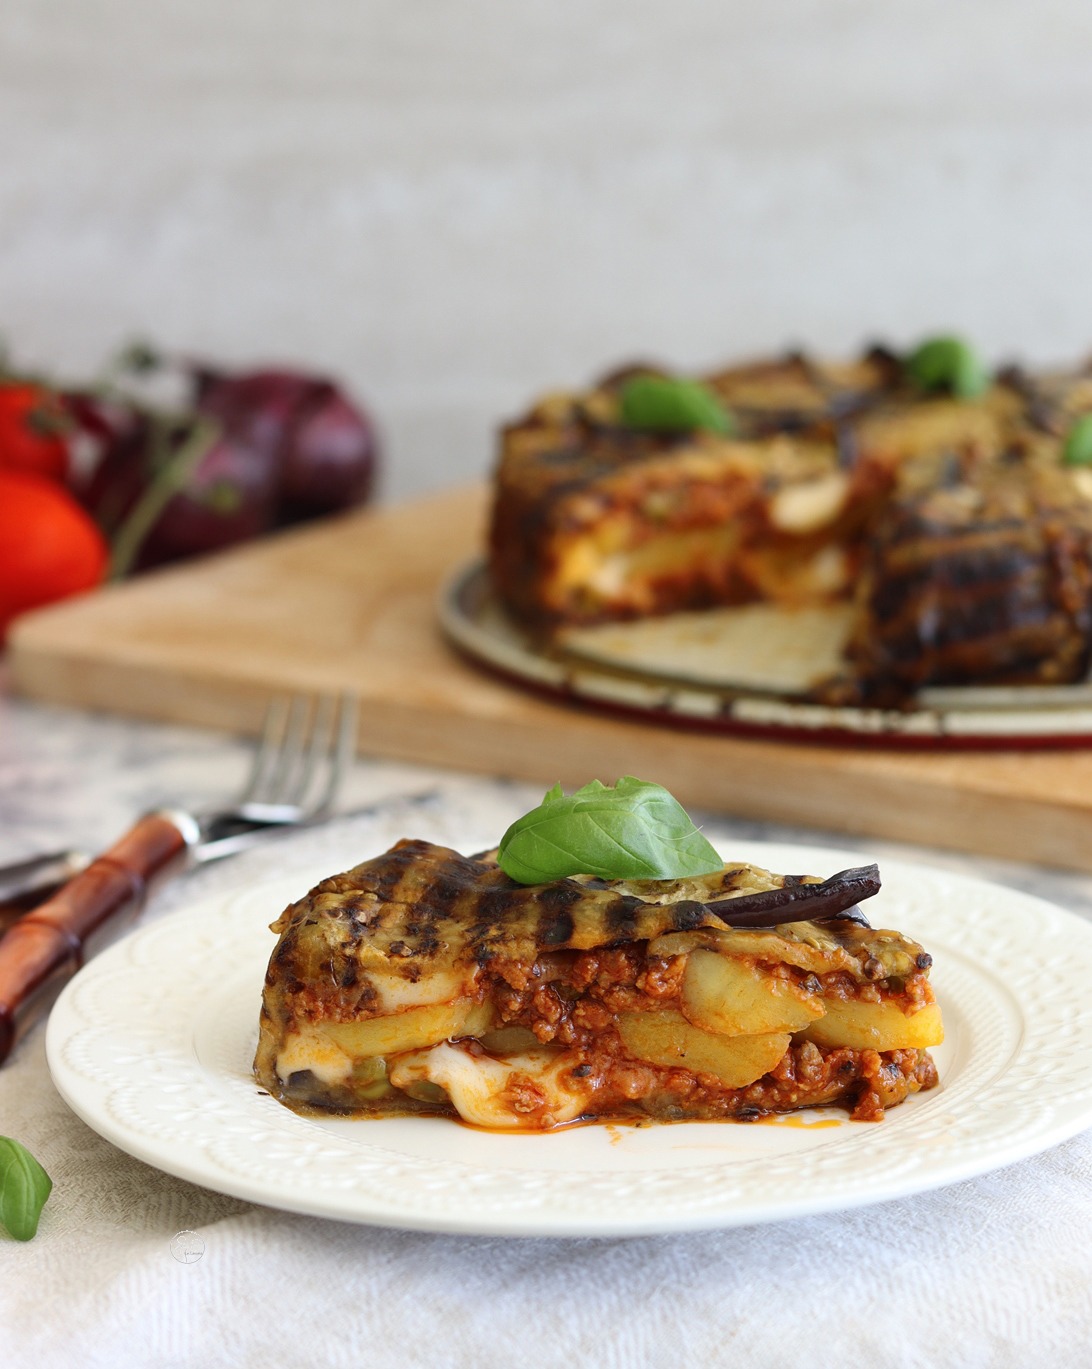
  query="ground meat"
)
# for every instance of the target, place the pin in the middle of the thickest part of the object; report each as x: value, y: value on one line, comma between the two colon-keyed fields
x: 560, y: 987
x: 912, y: 991
x: 806, y: 1076
x: 571, y: 999
x: 523, y: 1095
x: 886, y: 1079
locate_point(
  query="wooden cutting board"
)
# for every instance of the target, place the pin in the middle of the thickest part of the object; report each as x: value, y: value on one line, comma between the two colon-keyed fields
x: 349, y: 604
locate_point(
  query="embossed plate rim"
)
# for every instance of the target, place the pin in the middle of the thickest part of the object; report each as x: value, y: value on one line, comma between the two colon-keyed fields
x: 121, y: 1050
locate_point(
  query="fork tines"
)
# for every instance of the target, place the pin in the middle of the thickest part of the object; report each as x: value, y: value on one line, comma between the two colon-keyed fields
x: 306, y: 745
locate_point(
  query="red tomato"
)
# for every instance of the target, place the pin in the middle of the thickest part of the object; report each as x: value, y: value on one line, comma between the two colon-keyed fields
x: 32, y: 425
x: 49, y: 547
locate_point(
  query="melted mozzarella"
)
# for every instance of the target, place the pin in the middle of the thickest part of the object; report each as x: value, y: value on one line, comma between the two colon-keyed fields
x: 396, y: 992
x: 483, y: 1089
x: 810, y: 504
x: 310, y: 1049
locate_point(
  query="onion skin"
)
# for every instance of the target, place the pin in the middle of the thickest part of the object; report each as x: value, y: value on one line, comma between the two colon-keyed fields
x: 323, y: 445
x: 230, y: 497
x: 257, y: 409
x: 119, y: 435
x: 330, y: 463
x: 282, y: 446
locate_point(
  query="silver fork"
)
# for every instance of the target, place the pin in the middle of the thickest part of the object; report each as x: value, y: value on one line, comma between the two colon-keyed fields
x: 299, y: 763
x: 305, y: 749
x: 306, y: 746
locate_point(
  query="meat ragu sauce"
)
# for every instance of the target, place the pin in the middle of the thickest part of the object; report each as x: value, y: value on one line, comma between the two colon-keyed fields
x: 571, y: 999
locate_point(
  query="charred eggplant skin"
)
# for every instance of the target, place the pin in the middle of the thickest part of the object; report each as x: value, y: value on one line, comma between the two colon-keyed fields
x: 800, y: 901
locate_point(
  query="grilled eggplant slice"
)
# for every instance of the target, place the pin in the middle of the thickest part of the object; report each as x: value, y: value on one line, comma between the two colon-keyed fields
x: 424, y: 981
x: 985, y: 579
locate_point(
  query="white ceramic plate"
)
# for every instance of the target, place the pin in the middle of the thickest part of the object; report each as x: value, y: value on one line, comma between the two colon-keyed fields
x: 151, y: 1045
x: 746, y: 670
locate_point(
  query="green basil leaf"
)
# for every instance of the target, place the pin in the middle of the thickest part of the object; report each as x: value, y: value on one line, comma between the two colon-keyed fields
x: 666, y: 405
x: 948, y: 363
x: 630, y: 830
x: 1078, y: 443
x: 24, y: 1188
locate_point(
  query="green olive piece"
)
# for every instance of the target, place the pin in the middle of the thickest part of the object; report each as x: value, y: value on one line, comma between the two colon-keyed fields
x: 370, y: 1078
x: 665, y: 404
x: 1078, y: 444
x: 372, y: 1092
x: 948, y: 363
x: 426, y: 1092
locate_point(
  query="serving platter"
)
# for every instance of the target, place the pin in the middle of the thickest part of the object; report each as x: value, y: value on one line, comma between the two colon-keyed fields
x: 154, y: 1052
x: 744, y: 670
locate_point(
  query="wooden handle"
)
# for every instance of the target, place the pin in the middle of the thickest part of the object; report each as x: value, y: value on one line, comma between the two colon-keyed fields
x: 48, y: 945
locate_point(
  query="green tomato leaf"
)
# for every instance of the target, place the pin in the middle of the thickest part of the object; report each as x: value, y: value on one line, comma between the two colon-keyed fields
x: 1078, y: 443
x: 948, y: 363
x: 24, y: 1188
x: 666, y: 405
x: 630, y: 830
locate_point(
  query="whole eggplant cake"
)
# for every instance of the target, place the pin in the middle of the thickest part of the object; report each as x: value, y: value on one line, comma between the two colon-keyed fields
x: 952, y: 506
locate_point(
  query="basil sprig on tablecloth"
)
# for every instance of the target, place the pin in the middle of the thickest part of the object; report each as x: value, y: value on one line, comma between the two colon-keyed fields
x: 668, y: 404
x: 629, y: 830
x: 948, y: 363
x: 24, y: 1188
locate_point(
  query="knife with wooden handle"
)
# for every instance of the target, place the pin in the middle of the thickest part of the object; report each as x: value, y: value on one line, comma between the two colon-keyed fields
x: 25, y: 883
x: 49, y: 944
x: 43, y: 948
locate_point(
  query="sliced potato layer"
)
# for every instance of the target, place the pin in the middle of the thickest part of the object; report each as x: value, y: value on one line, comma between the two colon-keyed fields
x: 733, y: 997
x: 411, y: 1029
x: 876, y: 1026
x: 667, y: 1038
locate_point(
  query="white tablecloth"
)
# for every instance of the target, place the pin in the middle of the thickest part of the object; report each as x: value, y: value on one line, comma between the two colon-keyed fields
x: 994, y: 1271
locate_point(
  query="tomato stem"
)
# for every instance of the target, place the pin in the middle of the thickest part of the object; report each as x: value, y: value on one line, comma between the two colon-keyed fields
x: 170, y: 480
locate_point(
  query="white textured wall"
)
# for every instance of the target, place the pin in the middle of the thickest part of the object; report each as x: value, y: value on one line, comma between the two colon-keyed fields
x: 453, y: 203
